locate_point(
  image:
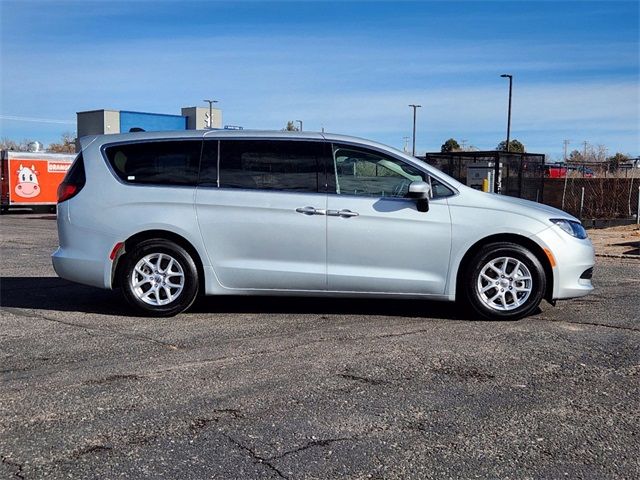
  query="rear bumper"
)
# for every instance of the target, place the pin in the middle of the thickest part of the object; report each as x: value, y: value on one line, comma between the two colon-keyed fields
x: 81, y: 270
x: 83, y: 254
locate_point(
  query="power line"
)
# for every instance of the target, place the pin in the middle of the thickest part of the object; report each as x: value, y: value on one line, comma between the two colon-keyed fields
x: 565, y: 143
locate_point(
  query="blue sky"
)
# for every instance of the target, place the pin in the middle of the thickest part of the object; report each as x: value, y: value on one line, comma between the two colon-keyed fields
x: 350, y: 67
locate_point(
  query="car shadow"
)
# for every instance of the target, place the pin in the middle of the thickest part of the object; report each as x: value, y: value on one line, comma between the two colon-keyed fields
x: 332, y: 306
x: 635, y: 247
x: 52, y: 293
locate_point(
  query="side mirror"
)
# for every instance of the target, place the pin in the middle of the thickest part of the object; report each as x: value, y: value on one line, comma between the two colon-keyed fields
x: 420, y: 191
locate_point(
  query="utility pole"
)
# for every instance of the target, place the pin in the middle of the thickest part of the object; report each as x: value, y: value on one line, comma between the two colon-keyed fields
x: 406, y: 144
x: 464, y: 143
x: 584, y: 151
x: 566, y: 143
x: 300, y: 122
x: 413, y: 150
x: 510, y: 77
x: 211, y: 102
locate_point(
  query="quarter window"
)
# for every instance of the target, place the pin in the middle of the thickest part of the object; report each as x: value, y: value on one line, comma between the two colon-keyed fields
x: 269, y: 165
x: 160, y: 163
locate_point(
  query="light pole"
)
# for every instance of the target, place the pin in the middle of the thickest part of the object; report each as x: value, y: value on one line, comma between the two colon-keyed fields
x: 413, y: 150
x: 211, y: 102
x: 510, y: 77
x: 300, y: 122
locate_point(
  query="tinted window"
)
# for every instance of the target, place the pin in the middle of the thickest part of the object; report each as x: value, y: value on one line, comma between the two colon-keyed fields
x: 267, y: 165
x: 368, y: 173
x: 166, y: 163
x: 76, y: 174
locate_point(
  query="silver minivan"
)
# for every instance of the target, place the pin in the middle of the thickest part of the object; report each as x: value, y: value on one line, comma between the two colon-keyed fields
x: 166, y: 216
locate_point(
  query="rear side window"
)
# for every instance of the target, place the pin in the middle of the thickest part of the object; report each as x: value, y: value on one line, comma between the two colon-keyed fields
x: 268, y: 165
x: 172, y: 162
x: 76, y: 174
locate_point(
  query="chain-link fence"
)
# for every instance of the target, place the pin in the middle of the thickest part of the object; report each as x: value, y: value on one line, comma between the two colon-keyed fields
x: 515, y: 174
x: 594, y: 190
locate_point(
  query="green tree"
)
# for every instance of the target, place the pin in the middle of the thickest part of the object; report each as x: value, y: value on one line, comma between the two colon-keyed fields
x: 514, y: 146
x: 450, y: 145
x: 615, y: 161
x: 575, y: 156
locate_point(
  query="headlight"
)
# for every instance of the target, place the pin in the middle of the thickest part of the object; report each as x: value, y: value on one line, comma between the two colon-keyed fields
x: 575, y: 229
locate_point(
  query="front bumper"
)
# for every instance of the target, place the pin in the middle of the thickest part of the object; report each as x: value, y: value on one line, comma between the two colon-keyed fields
x: 573, y: 258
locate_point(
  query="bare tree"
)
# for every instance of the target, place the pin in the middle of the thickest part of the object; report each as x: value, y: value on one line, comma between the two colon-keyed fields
x: 67, y: 144
x: 291, y: 127
x: 9, y: 144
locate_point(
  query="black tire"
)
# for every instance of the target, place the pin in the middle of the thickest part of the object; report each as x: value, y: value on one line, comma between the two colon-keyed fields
x: 505, y: 296
x: 182, y: 273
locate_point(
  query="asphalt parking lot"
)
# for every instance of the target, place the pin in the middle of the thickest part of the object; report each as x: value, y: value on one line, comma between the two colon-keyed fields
x: 310, y: 388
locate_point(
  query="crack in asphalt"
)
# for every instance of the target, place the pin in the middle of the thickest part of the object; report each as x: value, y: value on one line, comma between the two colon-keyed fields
x: 255, y: 456
x: 90, y: 449
x: 12, y: 463
x: 356, y: 378
x: 112, y: 378
x: 311, y: 444
x: 134, y: 336
x: 401, y: 334
x: 202, y: 422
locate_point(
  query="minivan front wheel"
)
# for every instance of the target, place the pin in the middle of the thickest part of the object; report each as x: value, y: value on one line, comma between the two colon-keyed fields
x: 505, y: 281
x: 159, y: 278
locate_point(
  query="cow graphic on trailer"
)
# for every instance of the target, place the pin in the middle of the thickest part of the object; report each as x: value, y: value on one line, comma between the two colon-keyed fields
x: 27, y: 186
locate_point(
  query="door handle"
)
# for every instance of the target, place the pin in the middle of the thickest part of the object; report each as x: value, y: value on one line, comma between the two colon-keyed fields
x: 311, y: 211
x: 342, y: 213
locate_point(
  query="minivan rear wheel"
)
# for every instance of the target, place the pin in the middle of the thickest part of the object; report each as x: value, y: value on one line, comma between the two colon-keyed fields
x: 504, y: 281
x: 159, y: 278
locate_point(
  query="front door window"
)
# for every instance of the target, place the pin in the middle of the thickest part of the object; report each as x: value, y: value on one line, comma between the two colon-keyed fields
x: 366, y: 173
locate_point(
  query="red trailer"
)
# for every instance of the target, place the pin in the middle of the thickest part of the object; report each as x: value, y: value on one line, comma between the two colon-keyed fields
x: 31, y: 179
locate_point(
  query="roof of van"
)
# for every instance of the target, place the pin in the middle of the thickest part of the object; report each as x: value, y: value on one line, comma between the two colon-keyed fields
x: 277, y: 134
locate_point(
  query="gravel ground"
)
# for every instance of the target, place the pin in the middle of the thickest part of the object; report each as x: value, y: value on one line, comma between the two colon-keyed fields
x: 310, y: 388
x: 617, y: 241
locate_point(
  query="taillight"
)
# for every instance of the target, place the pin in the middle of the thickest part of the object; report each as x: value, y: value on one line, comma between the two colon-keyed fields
x: 73, y: 181
x: 66, y: 191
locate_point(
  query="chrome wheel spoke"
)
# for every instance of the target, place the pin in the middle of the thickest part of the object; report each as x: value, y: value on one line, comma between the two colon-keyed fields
x: 155, y: 285
x: 488, y: 287
x: 171, y: 262
x: 504, y: 284
x: 505, y: 264
x: 141, y: 282
x: 516, y: 269
x: 148, y: 263
x: 141, y: 271
x: 487, y: 277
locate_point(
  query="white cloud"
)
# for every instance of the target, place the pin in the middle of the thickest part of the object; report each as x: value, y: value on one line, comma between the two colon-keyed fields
x: 361, y: 87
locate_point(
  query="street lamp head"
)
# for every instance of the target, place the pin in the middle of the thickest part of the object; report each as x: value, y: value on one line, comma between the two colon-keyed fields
x: 210, y: 101
x: 505, y: 75
x: 415, y: 106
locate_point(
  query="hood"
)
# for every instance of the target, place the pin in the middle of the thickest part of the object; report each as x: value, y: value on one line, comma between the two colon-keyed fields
x: 495, y: 201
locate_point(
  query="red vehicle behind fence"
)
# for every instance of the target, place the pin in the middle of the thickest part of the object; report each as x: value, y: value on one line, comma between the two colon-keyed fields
x: 555, y: 171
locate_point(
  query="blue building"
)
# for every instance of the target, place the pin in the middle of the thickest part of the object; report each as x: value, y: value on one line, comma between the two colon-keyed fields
x: 98, y: 122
